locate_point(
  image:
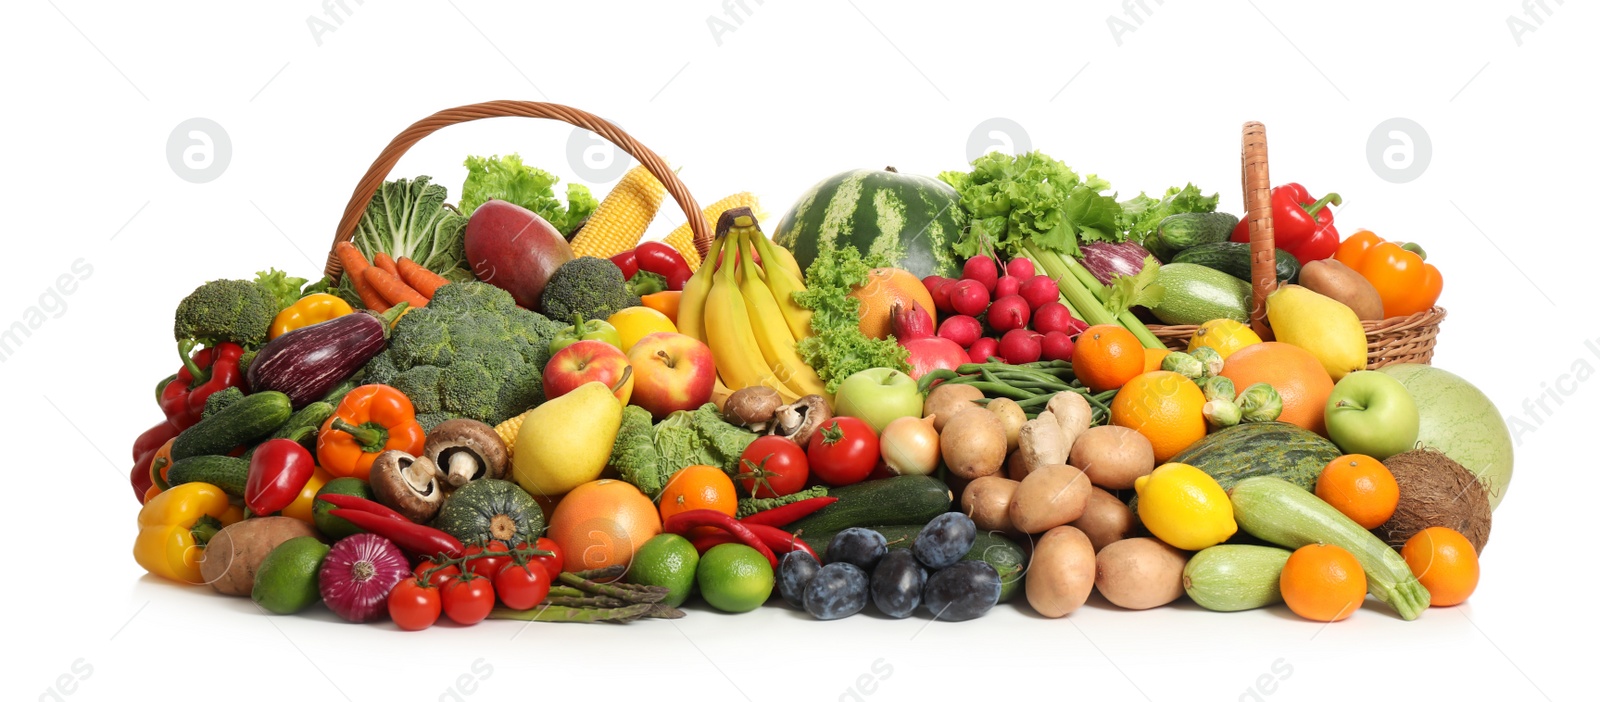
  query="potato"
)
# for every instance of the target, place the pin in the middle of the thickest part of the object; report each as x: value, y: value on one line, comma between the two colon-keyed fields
x: 1072, y: 412
x: 1336, y: 280
x: 973, y: 443
x: 1049, y: 497
x: 987, y: 501
x: 1105, y: 519
x: 1010, y: 414
x: 1041, y: 442
x: 948, y: 400
x: 1140, y: 573
x: 1061, y: 574
x: 231, y: 558
x: 1016, y: 467
x: 1113, y: 457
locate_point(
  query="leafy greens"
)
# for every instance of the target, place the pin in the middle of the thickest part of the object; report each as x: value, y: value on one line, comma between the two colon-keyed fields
x: 1015, y: 200
x: 837, y: 348
x: 1141, y: 215
x: 507, y: 178
x: 409, y: 218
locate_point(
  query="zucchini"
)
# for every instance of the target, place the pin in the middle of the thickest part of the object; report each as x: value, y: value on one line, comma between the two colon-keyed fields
x: 226, y: 472
x: 1233, y: 258
x: 1181, y: 231
x: 243, y: 422
x: 991, y: 547
x: 1196, y: 294
x: 1285, y: 514
x: 1233, y: 578
x: 903, y: 499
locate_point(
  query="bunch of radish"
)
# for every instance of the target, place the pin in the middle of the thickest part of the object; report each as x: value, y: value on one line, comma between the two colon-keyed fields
x: 1016, y: 317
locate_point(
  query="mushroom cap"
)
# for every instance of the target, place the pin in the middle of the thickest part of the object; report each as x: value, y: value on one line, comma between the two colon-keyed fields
x: 454, y: 438
x: 800, y: 419
x: 752, y: 406
x: 407, y: 484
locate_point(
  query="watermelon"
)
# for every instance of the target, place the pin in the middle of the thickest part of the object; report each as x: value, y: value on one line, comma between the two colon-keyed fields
x: 1460, y: 421
x: 912, y: 219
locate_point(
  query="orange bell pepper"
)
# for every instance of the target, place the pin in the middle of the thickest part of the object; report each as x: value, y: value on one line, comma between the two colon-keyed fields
x: 370, y: 420
x: 664, y: 302
x: 1405, y: 281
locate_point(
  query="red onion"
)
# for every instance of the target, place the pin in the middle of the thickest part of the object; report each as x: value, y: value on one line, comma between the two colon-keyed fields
x: 1110, y: 261
x: 358, y: 574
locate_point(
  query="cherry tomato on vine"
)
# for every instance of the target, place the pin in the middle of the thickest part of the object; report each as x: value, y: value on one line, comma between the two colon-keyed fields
x: 468, y: 599
x: 553, y: 565
x: 773, y: 466
x: 413, y: 605
x: 843, y: 451
x: 488, y: 565
x: 522, y: 587
x: 440, y: 577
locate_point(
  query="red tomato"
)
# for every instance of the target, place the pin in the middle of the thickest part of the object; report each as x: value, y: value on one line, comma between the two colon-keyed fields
x: 522, y: 587
x: 552, y: 564
x: 439, y: 577
x: 773, y: 466
x: 843, y: 451
x: 468, y: 599
x: 413, y: 605
x: 487, y: 566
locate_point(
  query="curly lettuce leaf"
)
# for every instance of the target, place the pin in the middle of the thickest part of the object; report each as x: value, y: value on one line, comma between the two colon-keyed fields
x: 1141, y: 215
x: 837, y: 348
x: 284, y: 288
x: 1142, y: 290
x: 507, y: 178
x: 1014, y: 200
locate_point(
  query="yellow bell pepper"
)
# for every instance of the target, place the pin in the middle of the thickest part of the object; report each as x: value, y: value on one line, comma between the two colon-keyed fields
x: 311, y: 309
x: 175, y: 525
x: 301, y: 507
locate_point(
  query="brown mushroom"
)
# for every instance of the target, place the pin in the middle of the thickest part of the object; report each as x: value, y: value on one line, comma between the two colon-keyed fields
x: 466, y: 450
x: 752, y: 407
x: 800, y: 420
x: 407, y: 484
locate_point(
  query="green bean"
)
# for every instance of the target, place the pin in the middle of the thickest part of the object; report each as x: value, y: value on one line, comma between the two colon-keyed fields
x: 1003, y: 390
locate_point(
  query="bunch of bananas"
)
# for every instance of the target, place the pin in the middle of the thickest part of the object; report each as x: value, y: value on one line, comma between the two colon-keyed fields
x: 745, y: 310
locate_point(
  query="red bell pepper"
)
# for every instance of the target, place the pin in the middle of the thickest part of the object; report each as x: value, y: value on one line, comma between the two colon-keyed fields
x: 665, y: 261
x: 628, y: 263
x: 1301, y: 224
x: 144, y: 451
x: 211, y: 369
x: 279, y: 469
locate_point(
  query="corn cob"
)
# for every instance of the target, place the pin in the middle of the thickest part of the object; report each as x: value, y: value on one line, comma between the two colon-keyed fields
x: 621, y: 219
x: 682, y: 238
x: 508, y: 430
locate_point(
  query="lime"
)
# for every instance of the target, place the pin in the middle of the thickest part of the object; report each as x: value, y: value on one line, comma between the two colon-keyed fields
x: 286, y: 582
x: 336, y: 527
x: 668, y: 561
x: 734, y: 577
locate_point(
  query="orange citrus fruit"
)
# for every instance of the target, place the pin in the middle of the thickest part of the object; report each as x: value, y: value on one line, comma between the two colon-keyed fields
x: 884, y: 287
x: 1323, y: 583
x: 1153, y: 359
x: 1361, y: 488
x: 602, y: 523
x: 1297, y: 375
x: 1106, y: 356
x: 699, y: 487
x: 1444, y: 562
x: 1163, y: 406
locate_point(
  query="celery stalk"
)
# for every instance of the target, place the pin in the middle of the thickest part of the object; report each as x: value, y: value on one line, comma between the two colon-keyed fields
x: 1074, y: 281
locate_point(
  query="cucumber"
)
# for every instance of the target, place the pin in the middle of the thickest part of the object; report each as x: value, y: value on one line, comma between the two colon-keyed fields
x: 1196, y: 294
x: 240, y: 423
x: 1182, y: 231
x: 903, y: 499
x: 304, y: 423
x: 1285, y: 514
x: 1234, y: 578
x: 991, y: 547
x: 1233, y: 258
x: 226, y: 472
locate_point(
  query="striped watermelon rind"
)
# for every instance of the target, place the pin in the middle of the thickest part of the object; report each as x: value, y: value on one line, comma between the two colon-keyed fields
x: 913, y: 220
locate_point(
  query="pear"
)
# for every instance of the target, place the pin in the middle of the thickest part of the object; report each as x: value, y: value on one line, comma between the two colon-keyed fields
x: 566, y: 442
x: 1321, y: 325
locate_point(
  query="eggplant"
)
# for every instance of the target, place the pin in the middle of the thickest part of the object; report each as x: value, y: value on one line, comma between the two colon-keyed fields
x: 308, y: 362
x: 1107, y: 262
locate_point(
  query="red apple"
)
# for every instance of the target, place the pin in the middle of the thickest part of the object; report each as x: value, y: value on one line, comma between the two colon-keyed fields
x: 671, y: 372
x: 586, y: 362
x: 514, y: 249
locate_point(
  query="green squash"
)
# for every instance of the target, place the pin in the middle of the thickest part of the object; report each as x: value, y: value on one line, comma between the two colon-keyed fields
x: 488, y: 509
x: 912, y: 219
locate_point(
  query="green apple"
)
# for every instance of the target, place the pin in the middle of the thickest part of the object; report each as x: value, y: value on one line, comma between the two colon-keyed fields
x: 1372, y: 414
x: 878, y: 396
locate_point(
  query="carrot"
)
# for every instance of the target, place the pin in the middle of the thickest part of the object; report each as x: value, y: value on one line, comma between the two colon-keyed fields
x: 355, y: 266
x: 392, y: 288
x: 422, y: 279
x: 384, y: 261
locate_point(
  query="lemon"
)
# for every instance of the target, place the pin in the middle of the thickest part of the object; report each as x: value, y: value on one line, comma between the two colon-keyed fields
x: 1223, y: 336
x: 1184, y: 507
x: 635, y: 323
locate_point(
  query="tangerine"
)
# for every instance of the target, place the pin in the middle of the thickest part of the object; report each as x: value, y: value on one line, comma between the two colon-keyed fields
x: 1164, y: 407
x: 1323, y: 583
x: 1106, y: 356
x: 1444, y: 562
x: 1361, y: 488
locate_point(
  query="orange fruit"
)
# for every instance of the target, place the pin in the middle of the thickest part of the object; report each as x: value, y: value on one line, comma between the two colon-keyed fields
x: 1297, y: 375
x: 1444, y: 562
x: 884, y: 287
x: 1106, y: 356
x: 699, y: 487
x: 1361, y: 488
x: 1153, y: 359
x: 1163, y: 406
x: 1323, y: 583
x: 602, y: 523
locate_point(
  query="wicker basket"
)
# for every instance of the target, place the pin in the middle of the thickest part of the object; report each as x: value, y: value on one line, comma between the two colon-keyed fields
x: 513, y: 108
x: 1389, y: 341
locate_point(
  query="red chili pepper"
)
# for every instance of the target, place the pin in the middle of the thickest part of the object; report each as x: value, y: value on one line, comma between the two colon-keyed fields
x: 279, y: 470
x: 778, y: 540
x: 665, y: 261
x: 628, y: 262
x: 361, y: 504
x: 419, y: 539
x: 682, y: 522
x: 784, y: 515
x: 211, y: 369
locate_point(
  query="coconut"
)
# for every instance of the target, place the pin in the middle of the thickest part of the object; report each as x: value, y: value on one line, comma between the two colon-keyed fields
x: 1435, y: 491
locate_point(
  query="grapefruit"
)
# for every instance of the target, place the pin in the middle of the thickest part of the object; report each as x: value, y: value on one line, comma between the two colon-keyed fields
x: 1297, y: 375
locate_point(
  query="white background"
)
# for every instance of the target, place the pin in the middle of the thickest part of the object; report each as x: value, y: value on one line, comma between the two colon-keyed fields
x: 795, y: 92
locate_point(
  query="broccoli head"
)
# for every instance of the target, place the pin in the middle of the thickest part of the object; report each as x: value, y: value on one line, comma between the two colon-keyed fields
x: 471, y: 352
x: 586, y: 286
x: 225, y: 310
x: 216, y: 401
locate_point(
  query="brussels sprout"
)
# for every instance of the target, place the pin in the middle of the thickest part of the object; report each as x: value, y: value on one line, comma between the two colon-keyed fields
x: 1260, y: 403
x: 1221, y: 413
x: 1218, y: 388
x: 1210, y: 361
x: 1183, y: 364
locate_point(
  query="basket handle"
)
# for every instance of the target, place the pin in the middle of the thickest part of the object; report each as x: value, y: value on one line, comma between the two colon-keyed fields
x: 512, y: 108
x: 1258, y: 214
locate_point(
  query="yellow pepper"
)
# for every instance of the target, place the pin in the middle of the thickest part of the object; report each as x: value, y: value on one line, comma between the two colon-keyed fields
x: 301, y: 507
x: 311, y: 309
x: 175, y: 525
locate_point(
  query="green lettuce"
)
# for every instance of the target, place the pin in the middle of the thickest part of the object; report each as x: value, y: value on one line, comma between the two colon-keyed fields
x: 507, y: 178
x: 1014, y: 200
x: 1142, y: 214
x: 837, y: 348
